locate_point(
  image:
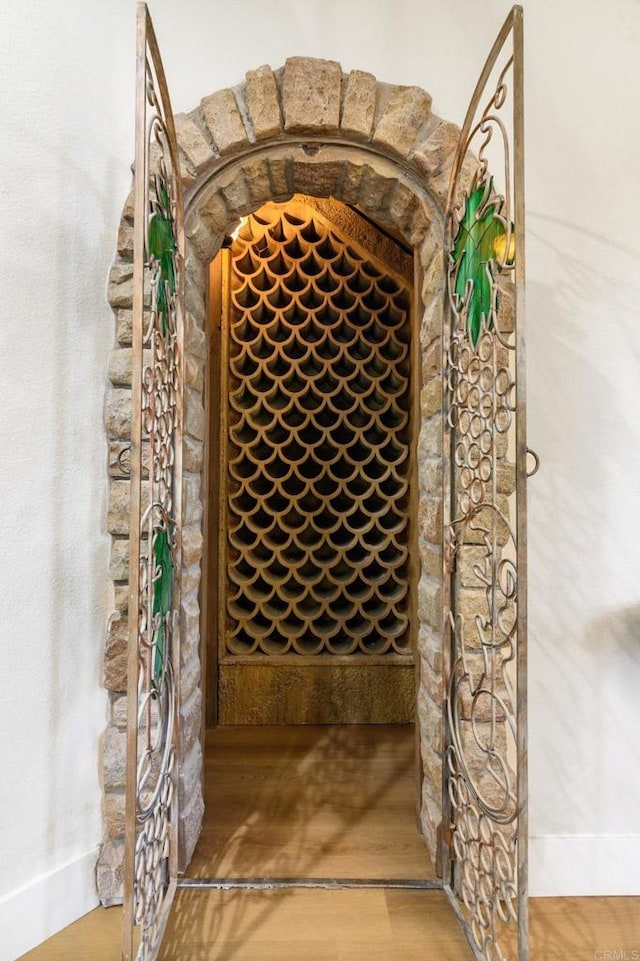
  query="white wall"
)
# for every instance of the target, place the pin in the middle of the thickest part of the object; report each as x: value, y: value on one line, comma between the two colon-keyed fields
x: 65, y: 146
x: 584, y: 373
x: 65, y: 149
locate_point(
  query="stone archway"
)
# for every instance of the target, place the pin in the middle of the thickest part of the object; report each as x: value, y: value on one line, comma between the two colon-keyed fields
x: 306, y: 128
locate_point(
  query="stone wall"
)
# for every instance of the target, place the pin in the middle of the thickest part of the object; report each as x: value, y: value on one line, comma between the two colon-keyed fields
x: 306, y: 128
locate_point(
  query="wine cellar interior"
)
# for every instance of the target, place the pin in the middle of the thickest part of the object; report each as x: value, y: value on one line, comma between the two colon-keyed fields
x: 311, y: 516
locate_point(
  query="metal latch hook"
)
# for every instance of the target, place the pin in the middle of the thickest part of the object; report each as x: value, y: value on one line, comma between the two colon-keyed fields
x: 536, y: 462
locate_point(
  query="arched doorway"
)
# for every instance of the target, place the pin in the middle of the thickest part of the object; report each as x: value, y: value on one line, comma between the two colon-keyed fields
x: 397, y: 181
x: 320, y: 161
x: 313, y: 155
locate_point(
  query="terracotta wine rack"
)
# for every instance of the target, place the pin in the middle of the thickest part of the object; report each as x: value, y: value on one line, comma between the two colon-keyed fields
x: 316, y: 482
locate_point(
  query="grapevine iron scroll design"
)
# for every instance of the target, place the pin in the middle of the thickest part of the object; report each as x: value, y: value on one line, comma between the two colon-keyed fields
x: 156, y: 511
x: 483, y: 749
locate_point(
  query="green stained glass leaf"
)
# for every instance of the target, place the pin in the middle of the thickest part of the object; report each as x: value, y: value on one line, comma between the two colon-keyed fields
x: 159, y: 657
x: 162, y: 247
x: 162, y: 591
x: 475, y: 256
x: 160, y: 236
x: 168, y: 271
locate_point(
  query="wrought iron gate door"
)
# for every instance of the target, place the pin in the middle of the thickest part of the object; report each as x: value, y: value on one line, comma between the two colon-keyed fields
x: 485, y: 787
x: 155, y: 521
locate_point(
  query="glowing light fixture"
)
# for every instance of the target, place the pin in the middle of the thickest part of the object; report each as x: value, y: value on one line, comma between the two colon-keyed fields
x: 236, y: 231
x: 500, y: 248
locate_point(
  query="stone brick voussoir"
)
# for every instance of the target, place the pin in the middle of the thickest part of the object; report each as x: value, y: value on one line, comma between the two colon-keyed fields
x: 436, y: 153
x: 263, y: 103
x: 318, y: 180
x: 193, y: 143
x: 224, y: 121
x: 204, y: 241
x: 404, y: 115
x: 359, y: 104
x: 236, y: 196
x: 281, y: 178
x: 256, y: 175
x: 375, y: 193
x: 402, y: 207
x: 311, y: 93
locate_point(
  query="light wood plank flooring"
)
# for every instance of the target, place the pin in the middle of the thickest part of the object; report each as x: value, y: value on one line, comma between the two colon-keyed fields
x: 409, y: 926
x: 328, y: 802
x: 315, y: 926
x: 303, y: 802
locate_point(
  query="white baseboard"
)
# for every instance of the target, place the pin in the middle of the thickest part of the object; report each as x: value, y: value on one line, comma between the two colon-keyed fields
x: 32, y: 913
x: 562, y: 865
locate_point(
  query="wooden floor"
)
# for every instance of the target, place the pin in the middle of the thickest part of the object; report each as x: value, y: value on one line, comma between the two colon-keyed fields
x: 368, y: 925
x: 349, y: 926
x: 303, y: 802
x: 329, y: 802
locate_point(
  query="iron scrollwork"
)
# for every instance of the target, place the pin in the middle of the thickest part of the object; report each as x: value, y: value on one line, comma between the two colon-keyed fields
x: 485, y: 584
x: 154, y: 601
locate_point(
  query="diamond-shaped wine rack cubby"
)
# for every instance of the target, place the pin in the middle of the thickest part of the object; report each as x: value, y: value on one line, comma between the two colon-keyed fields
x: 317, y: 442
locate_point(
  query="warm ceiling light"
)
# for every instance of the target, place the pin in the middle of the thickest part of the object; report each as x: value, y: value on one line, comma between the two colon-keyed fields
x: 234, y: 233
